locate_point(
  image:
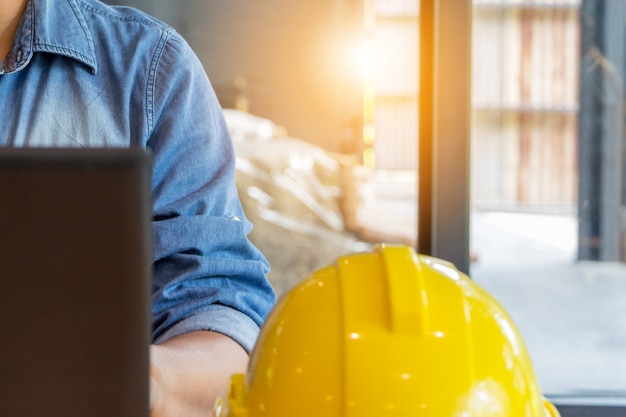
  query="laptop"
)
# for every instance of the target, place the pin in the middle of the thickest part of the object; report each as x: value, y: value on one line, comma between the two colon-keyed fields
x: 75, y: 276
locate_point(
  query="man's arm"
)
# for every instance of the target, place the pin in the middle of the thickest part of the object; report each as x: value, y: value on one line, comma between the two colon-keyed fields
x: 188, y: 372
x: 210, y: 291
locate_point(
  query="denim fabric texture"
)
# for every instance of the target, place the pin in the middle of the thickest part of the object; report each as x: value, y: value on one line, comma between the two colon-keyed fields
x: 85, y: 74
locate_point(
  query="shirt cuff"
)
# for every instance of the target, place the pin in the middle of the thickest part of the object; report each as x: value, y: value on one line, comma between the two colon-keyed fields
x: 220, y: 319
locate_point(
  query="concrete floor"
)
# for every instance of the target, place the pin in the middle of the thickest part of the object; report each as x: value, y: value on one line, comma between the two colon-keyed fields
x: 570, y: 314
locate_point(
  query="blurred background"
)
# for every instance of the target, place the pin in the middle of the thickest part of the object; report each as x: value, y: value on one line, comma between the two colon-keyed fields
x: 324, y: 106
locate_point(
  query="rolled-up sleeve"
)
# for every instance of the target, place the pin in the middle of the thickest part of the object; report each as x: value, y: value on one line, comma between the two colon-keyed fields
x: 207, y: 274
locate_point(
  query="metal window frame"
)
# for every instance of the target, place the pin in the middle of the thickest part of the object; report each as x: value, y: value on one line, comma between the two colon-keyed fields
x: 444, y: 130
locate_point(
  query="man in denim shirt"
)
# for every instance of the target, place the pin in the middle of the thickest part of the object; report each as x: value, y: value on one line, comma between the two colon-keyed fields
x: 78, y: 73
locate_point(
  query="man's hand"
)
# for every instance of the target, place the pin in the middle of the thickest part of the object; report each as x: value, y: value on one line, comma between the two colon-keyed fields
x: 188, y: 372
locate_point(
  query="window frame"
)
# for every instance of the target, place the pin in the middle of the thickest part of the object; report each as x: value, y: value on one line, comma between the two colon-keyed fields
x: 444, y: 110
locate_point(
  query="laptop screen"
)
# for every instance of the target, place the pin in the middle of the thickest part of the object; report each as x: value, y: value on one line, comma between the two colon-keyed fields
x: 75, y: 270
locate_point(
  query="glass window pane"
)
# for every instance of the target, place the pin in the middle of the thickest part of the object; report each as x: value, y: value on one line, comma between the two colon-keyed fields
x: 548, y: 200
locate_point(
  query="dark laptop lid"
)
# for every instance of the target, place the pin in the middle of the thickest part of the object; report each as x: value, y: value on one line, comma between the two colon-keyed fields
x: 75, y: 261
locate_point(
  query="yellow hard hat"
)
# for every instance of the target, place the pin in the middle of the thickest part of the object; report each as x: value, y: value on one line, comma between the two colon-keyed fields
x: 387, y: 333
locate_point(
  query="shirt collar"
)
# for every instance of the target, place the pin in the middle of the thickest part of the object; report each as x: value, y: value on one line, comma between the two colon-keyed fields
x: 56, y: 27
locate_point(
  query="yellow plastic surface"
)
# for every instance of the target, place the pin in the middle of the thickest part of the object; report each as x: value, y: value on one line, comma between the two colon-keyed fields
x: 388, y: 333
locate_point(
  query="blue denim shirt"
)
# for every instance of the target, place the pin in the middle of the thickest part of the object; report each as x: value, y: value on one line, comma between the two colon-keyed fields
x: 84, y: 74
